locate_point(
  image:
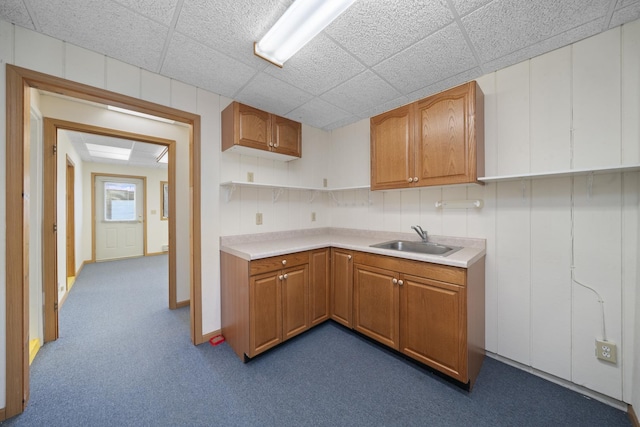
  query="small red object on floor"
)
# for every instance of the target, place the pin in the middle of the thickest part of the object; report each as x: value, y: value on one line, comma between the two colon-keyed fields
x: 218, y: 339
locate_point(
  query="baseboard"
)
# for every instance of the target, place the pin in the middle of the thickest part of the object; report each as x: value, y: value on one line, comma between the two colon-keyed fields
x: 64, y: 298
x: 156, y: 253
x: 562, y: 382
x: 633, y: 417
x: 34, y: 347
x: 184, y: 303
x: 207, y: 337
x: 82, y: 266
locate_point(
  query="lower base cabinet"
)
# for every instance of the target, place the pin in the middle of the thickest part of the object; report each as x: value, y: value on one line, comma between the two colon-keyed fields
x: 430, y: 312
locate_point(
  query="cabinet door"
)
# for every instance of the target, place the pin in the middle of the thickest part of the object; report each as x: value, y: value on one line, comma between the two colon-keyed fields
x: 443, y: 137
x: 319, y: 287
x: 375, y: 301
x: 392, y: 149
x: 265, y: 300
x: 295, y: 300
x: 433, y: 325
x: 287, y: 136
x: 342, y: 287
x: 254, y: 127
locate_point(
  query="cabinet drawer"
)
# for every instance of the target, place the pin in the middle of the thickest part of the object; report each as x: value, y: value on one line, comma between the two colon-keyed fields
x: 277, y: 262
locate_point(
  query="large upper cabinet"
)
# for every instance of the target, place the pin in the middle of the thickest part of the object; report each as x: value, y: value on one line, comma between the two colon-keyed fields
x: 246, y: 129
x: 435, y: 141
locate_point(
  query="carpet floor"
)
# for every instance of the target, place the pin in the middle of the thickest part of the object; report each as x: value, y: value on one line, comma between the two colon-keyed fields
x: 124, y: 359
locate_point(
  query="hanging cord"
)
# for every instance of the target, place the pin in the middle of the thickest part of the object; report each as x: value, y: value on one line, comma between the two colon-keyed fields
x: 573, y: 267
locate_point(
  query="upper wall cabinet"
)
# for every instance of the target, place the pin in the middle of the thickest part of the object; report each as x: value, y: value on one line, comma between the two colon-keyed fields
x: 435, y: 141
x: 248, y: 130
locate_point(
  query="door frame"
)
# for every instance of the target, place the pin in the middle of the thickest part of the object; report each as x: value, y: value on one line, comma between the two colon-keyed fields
x: 94, y: 175
x: 70, y: 199
x: 18, y: 82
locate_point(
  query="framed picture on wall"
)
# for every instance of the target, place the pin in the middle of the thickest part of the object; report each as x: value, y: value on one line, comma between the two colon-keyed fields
x: 164, y: 200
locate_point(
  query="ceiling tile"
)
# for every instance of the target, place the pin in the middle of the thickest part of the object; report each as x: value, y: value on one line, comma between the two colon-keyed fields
x: 317, y: 113
x: 387, y: 106
x: 552, y: 43
x: 504, y: 26
x: 15, y: 12
x: 463, y: 7
x: 192, y: 62
x: 626, y: 14
x: 445, y: 84
x: 342, y: 122
x: 361, y: 93
x: 624, y: 3
x: 318, y: 67
x: 428, y: 61
x: 159, y: 10
x: 374, y: 30
x: 231, y: 26
x: 266, y: 92
x: 107, y: 27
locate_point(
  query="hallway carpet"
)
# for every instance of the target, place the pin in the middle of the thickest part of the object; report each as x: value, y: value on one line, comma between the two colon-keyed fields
x: 124, y: 359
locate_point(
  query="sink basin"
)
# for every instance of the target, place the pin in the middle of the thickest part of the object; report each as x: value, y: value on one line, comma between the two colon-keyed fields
x: 418, y: 247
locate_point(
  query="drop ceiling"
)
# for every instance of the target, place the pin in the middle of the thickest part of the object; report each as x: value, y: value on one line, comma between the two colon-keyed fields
x: 378, y: 55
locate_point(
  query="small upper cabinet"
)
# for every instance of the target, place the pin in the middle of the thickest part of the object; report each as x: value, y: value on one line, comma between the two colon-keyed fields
x: 438, y: 140
x: 246, y: 129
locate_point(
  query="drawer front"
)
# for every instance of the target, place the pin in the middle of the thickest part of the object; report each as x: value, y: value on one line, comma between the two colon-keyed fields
x: 275, y: 263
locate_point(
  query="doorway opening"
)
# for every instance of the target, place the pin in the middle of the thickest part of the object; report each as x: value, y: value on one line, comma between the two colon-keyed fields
x: 19, y: 81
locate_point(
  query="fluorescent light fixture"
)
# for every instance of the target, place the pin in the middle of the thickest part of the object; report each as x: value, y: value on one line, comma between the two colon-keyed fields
x: 300, y: 23
x: 108, y: 152
x: 136, y: 113
x: 164, y: 157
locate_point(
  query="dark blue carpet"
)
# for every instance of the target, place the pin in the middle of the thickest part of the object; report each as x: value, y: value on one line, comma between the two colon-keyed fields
x: 124, y: 359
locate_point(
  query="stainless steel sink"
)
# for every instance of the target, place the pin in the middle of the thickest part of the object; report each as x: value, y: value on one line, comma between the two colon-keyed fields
x: 418, y: 247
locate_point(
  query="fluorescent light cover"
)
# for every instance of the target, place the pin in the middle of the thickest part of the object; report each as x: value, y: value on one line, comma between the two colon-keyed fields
x: 108, y: 152
x: 164, y: 157
x: 135, y: 113
x: 300, y: 23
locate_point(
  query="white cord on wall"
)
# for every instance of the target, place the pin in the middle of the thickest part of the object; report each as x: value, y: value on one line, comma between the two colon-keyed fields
x: 573, y: 267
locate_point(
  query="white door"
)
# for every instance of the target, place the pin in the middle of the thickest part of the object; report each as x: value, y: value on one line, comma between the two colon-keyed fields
x: 119, y: 221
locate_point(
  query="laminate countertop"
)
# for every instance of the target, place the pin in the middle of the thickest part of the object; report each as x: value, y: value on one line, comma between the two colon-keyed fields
x: 264, y: 245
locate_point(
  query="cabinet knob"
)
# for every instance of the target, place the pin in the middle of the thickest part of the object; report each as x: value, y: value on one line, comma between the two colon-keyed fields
x: 271, y: 144
x: 400, y: 282
x: 280, y: 277
x: 410, y: 179
x: 284, y: 262
x: 394, y: 281
x: 415, y: 179
x: 286, y: 276
x: 348, y: 256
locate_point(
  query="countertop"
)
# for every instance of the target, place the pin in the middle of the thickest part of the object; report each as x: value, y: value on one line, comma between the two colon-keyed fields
x: 264, y: 245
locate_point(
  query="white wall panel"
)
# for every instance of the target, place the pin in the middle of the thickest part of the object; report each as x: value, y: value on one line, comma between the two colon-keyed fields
x: 597, y: 222
x: 249, y: 206
x: 155, y: 88
x: 489, y: 212
x: 84, y: 66
x: 123, y: 78
x: 185, y: 97
x: 349, y: 165
x: 488, y: 85
x: 392, y: 208
x: 551, y: 111
x: 631, y: 93
x: 454, y: 221
x: 551, y: 276
x: 596, y: 101
x: 410, y: 208
x: 430, y: 217
x: 513, y: 266
x: 6, y: 42
x: 512, y: 90
x: 38, y: 52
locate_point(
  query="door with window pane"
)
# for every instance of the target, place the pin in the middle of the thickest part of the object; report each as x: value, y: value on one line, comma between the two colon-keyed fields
x: 119, y: 217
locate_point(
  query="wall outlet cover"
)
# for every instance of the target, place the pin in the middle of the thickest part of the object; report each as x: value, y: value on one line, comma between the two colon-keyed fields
x: 313, y: 216
x: 607, y: 351
x: 249, y: 176
x: 258, y: 218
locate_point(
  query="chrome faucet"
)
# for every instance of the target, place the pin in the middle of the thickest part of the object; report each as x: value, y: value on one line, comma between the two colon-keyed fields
x: 421, y: 232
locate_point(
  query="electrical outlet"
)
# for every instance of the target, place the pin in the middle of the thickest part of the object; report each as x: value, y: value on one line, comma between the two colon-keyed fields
x: 324, y: 182
x: 313, y: 216
x: 606, y: 350
x: 258, y: 218
x: 249, y: 176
